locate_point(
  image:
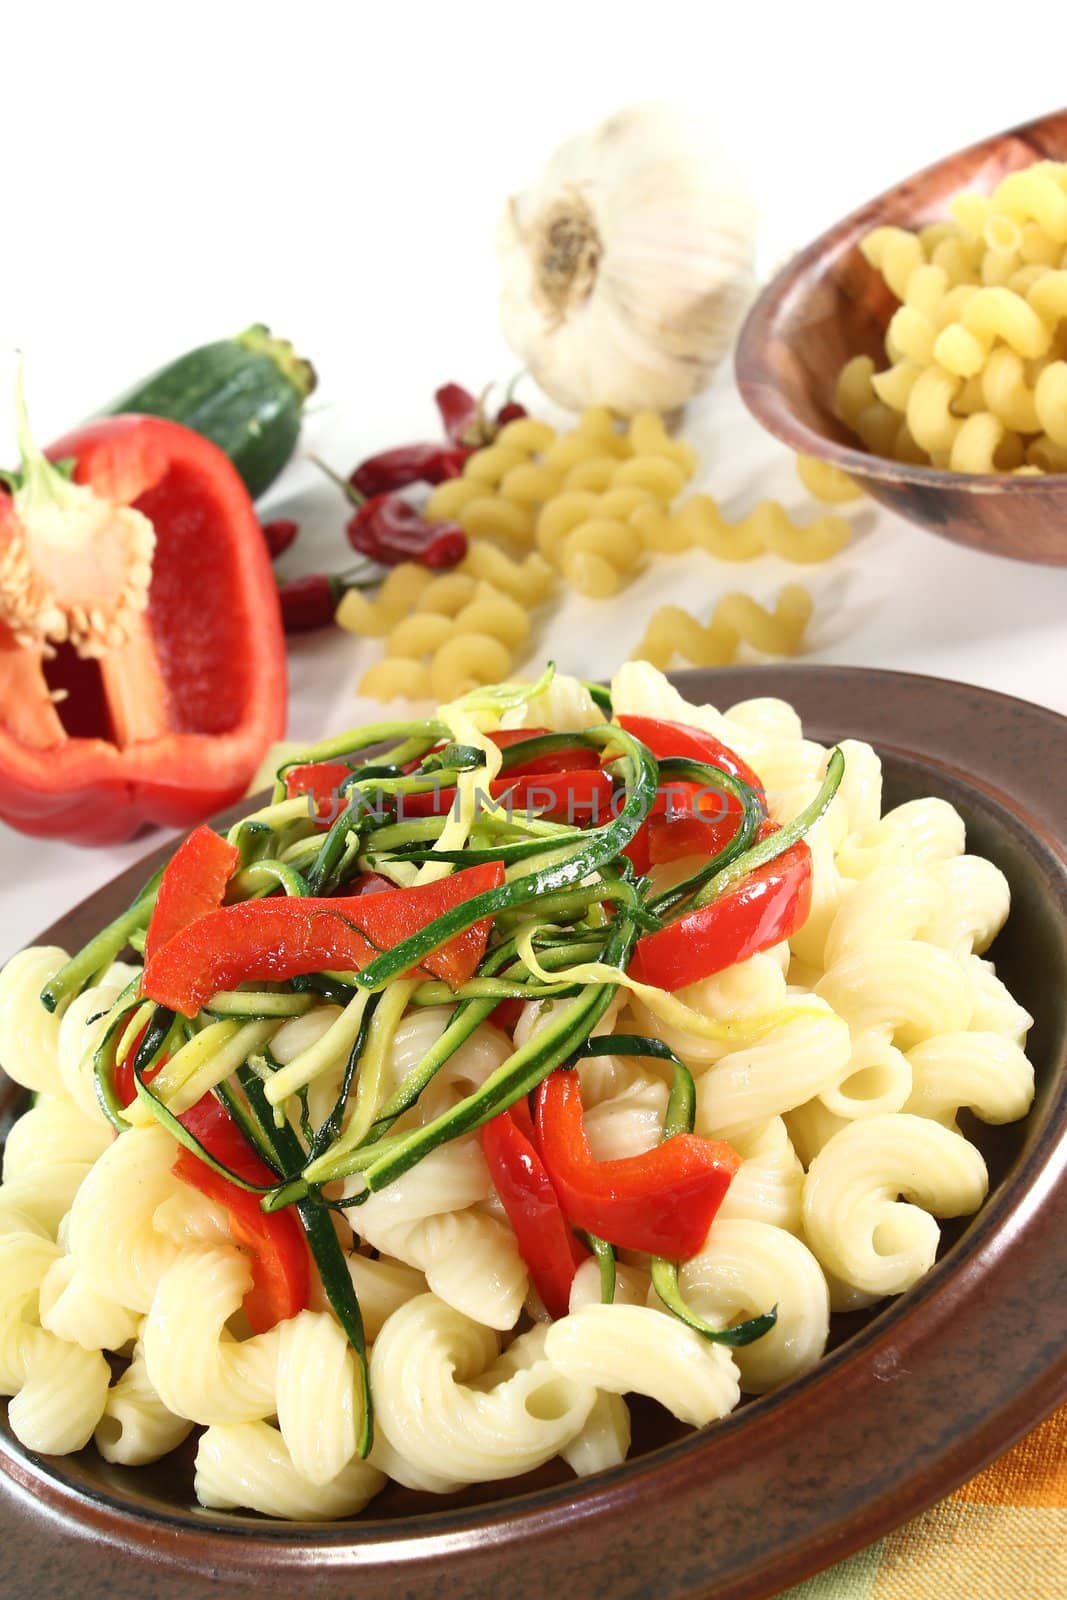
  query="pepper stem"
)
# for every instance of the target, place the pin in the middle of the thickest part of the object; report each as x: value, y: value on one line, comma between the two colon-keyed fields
x: 40, y: 481
x: 349, y: 490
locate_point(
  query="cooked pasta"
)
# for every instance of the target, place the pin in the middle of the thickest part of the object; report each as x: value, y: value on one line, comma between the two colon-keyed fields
x: 975, y: 346
x: 431, y: 1328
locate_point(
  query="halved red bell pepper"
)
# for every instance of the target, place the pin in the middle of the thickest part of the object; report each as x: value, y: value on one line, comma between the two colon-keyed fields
x: 270, y: 940
x: 273, y: 1241
x: 193, y: 883
x: 662, y: 1202
x: 169, y: 722
x: 579, y: 795
x: 764, y: 907
x: 546, y: 1242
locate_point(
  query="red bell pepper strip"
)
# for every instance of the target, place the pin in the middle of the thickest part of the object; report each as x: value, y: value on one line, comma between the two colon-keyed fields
x: 671, y: 838
x: 270, y: 940
x: 546, y: 1242
x: 662, y: 1202
x: 761, y: 909
x: 506, y: 1014
x: 692, y: 744
x: 573, y: 759
x: 684, y: 820
x: 170, y: 725
x: 580, y: 796
x: 193, y: 883
x: 273, y: 1241
x: 321, y: 781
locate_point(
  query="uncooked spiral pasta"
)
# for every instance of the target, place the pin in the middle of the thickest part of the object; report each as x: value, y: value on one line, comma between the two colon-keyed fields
x: 736, y: 618
x: 591, y: 507
x: 375, y: 1211
x: 976, y: 345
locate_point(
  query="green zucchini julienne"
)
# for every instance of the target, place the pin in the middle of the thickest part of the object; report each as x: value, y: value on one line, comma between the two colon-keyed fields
x: 324, y: 1246
x: 599, y: 847
x: 257, y: 1005
x: 95, y: 957
x: 469, y: 1014
x: 753, y: 812
x: 543, y: 744
x: 778, y: 843
x: 517, y: 1076
x: 346, y: 744
x: 604, y: 1254
x: 264, y: 876
x: 189, y: 1141
x: 248, y: 839
x: 104, y: 1056
x: 331, y: 1126
x: 600, y: 695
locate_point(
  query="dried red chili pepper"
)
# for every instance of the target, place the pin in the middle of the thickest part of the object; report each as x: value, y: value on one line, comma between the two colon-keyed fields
x: 511, y: 412
x: 410, y: 463
x: 310, y: 602
x: 465, y: 419
x: 279, y: 535
x: 389, y: 529
x: 461, y: 415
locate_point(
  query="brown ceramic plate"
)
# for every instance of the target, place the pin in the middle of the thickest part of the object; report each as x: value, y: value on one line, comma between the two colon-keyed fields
x: 911, y: 1401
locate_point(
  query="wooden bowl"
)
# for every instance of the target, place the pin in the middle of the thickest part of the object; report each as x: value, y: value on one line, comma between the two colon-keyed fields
x: 917, y: 1394
x: 827, y: 305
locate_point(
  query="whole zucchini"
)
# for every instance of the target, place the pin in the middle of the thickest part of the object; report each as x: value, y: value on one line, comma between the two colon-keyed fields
x: 244, y: 394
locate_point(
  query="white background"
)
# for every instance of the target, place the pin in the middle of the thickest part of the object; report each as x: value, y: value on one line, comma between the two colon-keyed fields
x: 174, y: 173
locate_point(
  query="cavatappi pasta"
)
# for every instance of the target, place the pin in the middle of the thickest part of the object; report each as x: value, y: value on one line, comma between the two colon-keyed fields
x: 736, y: 617
x: 590, y: 509
x: 835, y: 1062
x: 977, y: 380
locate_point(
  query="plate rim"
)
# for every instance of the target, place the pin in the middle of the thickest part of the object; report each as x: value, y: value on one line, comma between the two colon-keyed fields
x: 361, y: 1547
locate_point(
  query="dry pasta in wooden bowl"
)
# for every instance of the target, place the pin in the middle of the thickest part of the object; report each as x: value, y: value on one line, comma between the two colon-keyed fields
x: 920, y: 347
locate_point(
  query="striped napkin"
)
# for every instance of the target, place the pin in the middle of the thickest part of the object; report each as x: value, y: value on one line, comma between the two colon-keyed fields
x: 1002, y: 1536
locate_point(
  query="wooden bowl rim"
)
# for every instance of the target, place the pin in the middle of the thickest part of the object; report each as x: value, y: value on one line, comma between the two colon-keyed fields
x: 765, y: 399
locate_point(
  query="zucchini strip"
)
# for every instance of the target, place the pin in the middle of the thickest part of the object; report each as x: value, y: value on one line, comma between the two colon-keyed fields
x: 599, y: 847
x: 93, y: 960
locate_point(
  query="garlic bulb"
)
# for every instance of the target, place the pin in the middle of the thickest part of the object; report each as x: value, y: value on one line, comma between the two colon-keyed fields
x: 628, y: 266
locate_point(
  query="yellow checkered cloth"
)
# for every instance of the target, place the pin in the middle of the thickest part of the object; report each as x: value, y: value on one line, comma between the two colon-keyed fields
x: 1002, y: 1536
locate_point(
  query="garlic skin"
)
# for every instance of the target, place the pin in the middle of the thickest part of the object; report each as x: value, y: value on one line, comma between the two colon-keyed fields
x: 626, y: 269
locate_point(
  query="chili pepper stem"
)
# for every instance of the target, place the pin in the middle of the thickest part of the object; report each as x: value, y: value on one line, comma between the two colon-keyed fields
x: 349, y: 490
